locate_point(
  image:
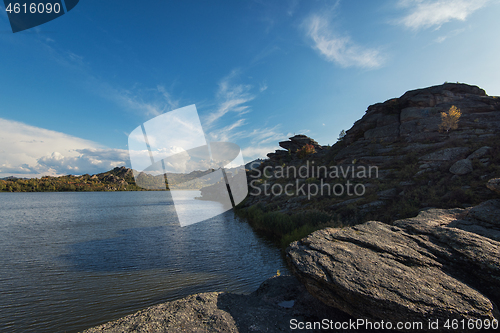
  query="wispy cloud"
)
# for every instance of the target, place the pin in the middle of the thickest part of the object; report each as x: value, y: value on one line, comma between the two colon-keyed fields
x: 171, y: 102
x: 265, y: 135
x: 425, y: 13
x: 266, y: 52
x: 231, y: 97
x: 292, y: 7
x: 150, y: 102
x: 226, y: 133
x: 339, y: 49
x: 453, y: 33
x: 263, y: 141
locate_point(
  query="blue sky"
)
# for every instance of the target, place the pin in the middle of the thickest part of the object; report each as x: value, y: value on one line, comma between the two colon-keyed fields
x: 259, y: 71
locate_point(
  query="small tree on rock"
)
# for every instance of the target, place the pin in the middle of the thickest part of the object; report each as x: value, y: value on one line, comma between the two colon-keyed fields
x: 449, y: 120
x: 307, y: 149
x: 341, y: 135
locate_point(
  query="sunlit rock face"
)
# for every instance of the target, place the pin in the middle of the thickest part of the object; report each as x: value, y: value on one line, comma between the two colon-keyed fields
x: 442, y: 264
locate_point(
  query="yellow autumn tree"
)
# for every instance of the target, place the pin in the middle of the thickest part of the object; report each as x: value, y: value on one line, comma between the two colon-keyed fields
x: 306, y: 150
x: 449, y: 120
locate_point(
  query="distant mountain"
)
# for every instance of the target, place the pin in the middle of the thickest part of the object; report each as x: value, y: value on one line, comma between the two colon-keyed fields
x: 11, y: 178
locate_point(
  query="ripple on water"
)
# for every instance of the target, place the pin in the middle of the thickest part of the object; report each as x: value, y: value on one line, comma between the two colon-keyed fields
x: 74, y: 260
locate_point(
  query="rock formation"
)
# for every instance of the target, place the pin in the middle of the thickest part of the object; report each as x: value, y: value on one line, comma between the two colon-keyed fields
x: 414, y: 119
x: 441, y: 265
x: 417, y: 163
x: 291, y: 147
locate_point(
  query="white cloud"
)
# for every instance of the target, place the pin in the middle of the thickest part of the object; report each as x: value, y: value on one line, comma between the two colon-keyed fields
x: 253, y: 153
x: 425, y: 13
x: 32, y: 151
x: 340, y: 50
x: 89, y: 160
x: 231, y: 98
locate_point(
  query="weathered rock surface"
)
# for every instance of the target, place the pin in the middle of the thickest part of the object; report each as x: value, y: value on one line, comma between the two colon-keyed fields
x: 494, y: 184
x: 479, y: 153
x: 269, y: 309
x: 461, y: 167
x: 387, y: 194
x: 298, y: 141
x: 427, y: 267
x: 484, y: 220
x: 448, y: 154
x: 293, y: 145
x: 414, y: 118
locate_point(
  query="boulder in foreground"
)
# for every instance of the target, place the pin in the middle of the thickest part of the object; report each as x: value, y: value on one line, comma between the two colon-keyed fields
x: 419, y: 269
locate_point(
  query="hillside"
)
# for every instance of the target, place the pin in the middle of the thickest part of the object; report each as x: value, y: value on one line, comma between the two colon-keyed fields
x: 117, y: 179
x: 392, y: 163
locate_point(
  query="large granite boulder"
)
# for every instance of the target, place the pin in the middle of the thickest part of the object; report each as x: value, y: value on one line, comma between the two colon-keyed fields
x: 419, y: 269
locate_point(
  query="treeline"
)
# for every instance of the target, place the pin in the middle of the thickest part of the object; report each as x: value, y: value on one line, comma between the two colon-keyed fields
x: 118, y: 179
x: 65, y: 183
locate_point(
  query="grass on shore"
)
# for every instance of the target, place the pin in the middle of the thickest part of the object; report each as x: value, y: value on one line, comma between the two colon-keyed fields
x: 282, y: 228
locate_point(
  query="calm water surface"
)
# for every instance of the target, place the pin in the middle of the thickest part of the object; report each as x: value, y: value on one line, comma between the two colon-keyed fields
x: 69, y: 261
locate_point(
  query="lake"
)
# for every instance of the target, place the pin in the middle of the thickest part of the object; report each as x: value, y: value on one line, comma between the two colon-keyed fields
x: 70, y: 261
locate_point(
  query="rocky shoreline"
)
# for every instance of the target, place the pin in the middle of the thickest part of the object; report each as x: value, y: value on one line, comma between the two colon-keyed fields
x: 440, y: 266
x: 271, y: 308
